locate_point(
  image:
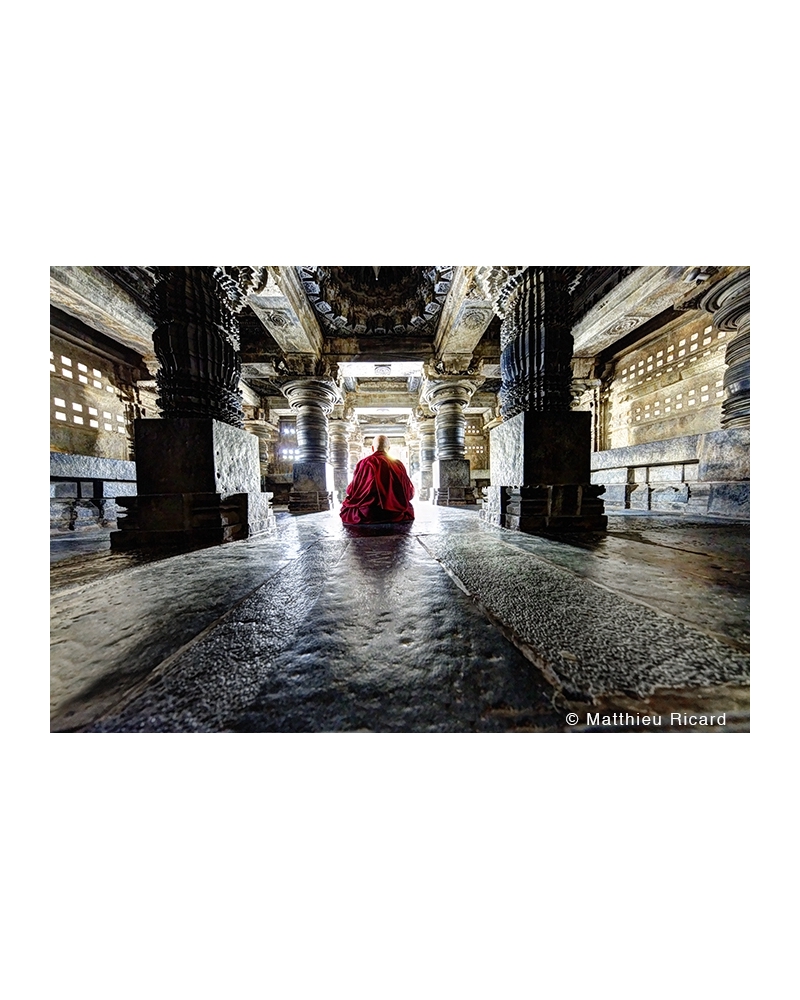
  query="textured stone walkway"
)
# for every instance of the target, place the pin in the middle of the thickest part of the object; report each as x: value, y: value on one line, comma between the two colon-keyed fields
x: 449, y: 625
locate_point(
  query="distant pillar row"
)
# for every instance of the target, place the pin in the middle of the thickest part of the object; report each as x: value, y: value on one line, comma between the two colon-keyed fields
x: 540, y: 455
x: 312, y: 400
x: 729, y: 304
x: 451, y: 471
x: 427, y: 456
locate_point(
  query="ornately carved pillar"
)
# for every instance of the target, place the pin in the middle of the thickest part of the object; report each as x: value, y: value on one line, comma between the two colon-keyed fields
x: 536, y: 342
x: 451, y: 471
x: 338, y: 431
x: 312, y: 400
x: 540, y: 454
x: 729, y: 304
x: 194, y: 342
x: 197, y: 470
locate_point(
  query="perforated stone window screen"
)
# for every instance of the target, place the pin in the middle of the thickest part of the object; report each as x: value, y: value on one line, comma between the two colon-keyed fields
x: 76, y: 385
x: 660, y: 386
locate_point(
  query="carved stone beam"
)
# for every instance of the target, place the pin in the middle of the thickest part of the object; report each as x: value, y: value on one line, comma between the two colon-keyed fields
x: 465, y: 316
x: 284, y: 310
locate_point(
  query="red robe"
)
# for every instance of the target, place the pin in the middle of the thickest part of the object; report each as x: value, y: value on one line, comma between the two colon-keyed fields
x: 380, y: 491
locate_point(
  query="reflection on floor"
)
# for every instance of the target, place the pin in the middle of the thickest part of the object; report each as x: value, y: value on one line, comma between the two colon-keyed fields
x: 444, y: 625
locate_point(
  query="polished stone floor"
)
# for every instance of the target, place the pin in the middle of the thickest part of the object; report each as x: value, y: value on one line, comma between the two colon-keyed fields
x: 445, y: 625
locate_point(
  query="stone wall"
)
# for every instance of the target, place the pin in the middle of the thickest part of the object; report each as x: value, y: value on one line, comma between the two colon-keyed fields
x: 699, y: 473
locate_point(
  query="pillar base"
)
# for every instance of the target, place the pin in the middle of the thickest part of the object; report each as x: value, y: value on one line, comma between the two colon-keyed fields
x: 546, y: 509
x: 451, y: 483
x: 454, y: 496
x: 190, y: 520
x: 312, y: 488
x: 198, y: 483
x: 425, y: 484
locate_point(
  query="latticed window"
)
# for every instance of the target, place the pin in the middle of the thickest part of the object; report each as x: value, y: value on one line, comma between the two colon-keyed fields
x: 670, y: 386
x: 84, y: 397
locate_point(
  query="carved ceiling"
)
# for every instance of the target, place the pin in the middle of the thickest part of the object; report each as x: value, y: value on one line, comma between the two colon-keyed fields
x: 357, y: 301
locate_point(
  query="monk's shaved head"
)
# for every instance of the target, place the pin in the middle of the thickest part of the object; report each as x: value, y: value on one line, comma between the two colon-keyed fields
x: 380, y: 443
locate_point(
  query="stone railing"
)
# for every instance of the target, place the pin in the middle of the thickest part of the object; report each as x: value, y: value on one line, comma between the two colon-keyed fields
x: 83, y: 490
x: 697, y: 474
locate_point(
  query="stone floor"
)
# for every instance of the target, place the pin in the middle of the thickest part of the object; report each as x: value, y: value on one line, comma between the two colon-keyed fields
x: 445, y: 625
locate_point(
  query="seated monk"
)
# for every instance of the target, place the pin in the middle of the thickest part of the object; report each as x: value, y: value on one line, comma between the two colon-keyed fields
x: 380, y: 491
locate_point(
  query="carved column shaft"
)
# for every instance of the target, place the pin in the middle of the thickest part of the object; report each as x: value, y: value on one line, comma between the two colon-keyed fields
x: 536, y: 341
x: 339, y: 452
x: 451, y: 470
x: 729, y: 304
x: 427, y: 445
x: 450, y: 430
x: 355, y: 447
x: 200, y: 367
x: 312, y: 400
x: 427, y: 455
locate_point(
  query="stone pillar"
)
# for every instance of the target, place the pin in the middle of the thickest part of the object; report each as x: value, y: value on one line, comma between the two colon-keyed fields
x: 268, y: 436
x: 427, y: 456
x: 540, y: 454
x: 197, y: 469
x: 451, y: 472
x: 338, y: 431
x: 312, y: 400
x: 729, y: 304
x: 355, y: 446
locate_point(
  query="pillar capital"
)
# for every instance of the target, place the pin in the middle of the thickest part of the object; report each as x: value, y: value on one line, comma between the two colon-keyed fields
x: 317, y: 392
x: 729, y: 302
x: 436, y: 393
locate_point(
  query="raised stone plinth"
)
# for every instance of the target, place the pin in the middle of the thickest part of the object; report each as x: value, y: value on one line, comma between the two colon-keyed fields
x: 540, y: 470
x: 534, y: 448
x: 198, y: 483
x: 83, y: 489
x: 451, y: 483
x: 312, y: 487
